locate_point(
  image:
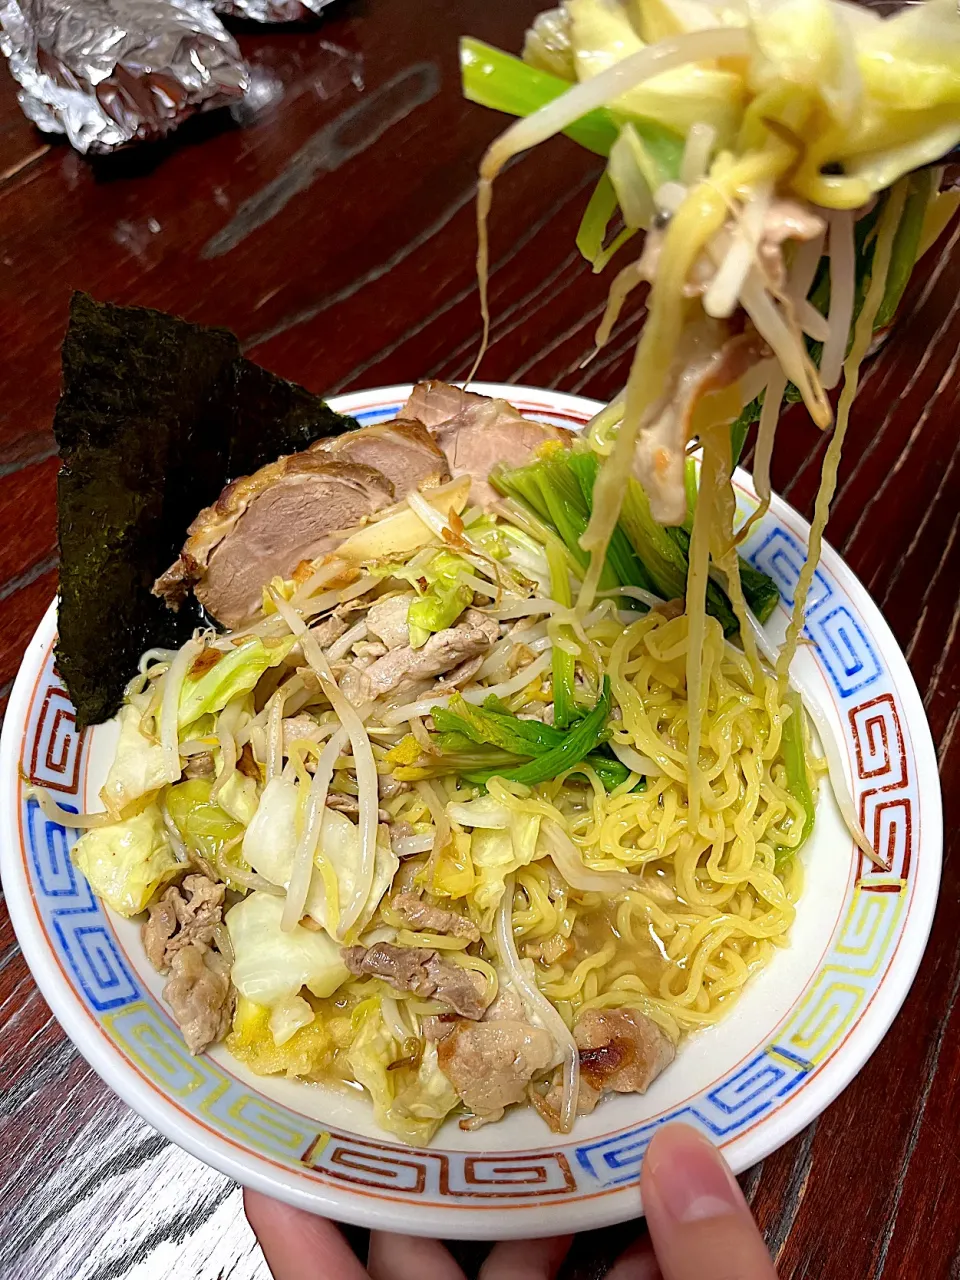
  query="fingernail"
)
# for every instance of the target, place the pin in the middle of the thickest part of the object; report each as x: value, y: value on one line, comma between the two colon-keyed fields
x: 689, y: 1175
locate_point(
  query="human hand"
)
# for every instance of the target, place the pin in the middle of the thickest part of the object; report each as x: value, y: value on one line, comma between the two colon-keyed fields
x: 700, y: 1228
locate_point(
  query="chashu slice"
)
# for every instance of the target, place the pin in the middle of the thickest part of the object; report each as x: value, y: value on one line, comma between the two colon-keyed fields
x: 266, y: 524
x: 405, y: 452
x: 476, y: 432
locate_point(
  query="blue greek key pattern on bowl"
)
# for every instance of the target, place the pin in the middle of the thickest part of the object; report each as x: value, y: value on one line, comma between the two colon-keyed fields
x: 721, y: 1112
x: 847, y: 655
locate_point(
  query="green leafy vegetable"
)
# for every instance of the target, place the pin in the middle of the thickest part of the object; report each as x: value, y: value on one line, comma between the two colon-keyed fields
x: 553, y: 750
x: 444, y: 601
x: 558, y: 486
x: 155, y: 417
x: 906, y: 243
x: 577, y: 744
x: 563, y: 664
x: 626, y: 564
x: 760, y: 591
x: 236, y: 673
x: 482, y: 743
x: 496, y: 728
x: 665, y: 559
x: 548, y: 488
x: 554, y: 486
x: 504, y: 83
x: 593, y: 225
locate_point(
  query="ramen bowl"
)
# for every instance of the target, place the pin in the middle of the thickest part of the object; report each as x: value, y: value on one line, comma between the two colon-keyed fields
x: 795, y: 1038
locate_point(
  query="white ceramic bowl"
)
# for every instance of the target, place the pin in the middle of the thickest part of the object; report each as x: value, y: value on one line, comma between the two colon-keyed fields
x: 802, y: 1029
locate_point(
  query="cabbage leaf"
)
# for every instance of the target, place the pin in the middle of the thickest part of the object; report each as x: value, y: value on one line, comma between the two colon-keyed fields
x: 497, y: 854
x: 126, y: 862
x: 270, y: 844
x: 236, y: 673
x: 271, y: 964
x: 304, y: 1054
x: 138, y: 764
x: 444, y: 600
x: 205, y: 827
x: 412, y: 1112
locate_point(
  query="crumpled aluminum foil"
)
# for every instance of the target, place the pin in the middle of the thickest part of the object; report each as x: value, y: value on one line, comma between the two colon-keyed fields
x: 271, y: 10
x: 110, y: 72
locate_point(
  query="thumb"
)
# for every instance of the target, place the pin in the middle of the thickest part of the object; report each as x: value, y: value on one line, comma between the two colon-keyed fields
x: 701, y: 1226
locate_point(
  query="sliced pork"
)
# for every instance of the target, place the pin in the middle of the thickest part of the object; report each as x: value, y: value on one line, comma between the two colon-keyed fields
x: 387, y: 619
x: 477, y: 432
x: 183, y: 916
x: 200, y: 996
x: 490, y: 1064
x: 475, y: 634
x: 265, y: 525
x: 419, y: 914
x: 710, y: 360
x: 621, y: 1051
x: 405, y: 452
x: 421, y: 971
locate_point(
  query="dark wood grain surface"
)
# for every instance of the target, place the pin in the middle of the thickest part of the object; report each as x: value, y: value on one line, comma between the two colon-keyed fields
x: 334, y: 232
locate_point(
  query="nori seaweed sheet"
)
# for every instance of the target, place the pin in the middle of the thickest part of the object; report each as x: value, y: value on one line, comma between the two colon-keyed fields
x: 156, y: 416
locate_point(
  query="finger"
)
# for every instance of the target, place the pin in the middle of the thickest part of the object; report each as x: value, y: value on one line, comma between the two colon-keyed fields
x: 395, y: 1257
x: 526, y: 1259
x: 298, y: 1245
x: 701, y: 1226
x: 637, y: 1262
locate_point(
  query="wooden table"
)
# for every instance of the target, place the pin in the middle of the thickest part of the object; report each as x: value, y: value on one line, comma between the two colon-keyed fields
x: 335, y: 233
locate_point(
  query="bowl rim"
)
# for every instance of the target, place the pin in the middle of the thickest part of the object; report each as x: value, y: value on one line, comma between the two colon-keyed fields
x: 613, y: 1204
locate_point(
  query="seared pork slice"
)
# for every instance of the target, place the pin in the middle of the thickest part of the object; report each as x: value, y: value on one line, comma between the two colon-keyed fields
x: 419, y: 914
x: 200, y: 997
x: 473, y: 635
x: 477, y: 432
x: 421, y: 971
x: 621, y: 1050
x: 405, y: 452
x: 490, y: 1064
x: 265, y: 525
x: 184, y: 916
